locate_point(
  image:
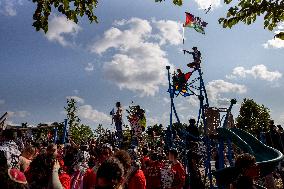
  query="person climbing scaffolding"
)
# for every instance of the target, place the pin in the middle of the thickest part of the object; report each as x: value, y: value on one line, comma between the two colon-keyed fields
x: 196, y: 58
x: 180, y: 81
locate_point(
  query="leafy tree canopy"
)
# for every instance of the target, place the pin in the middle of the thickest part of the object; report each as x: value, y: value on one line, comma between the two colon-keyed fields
x: 78, y: 132
x: 247, y: 11
x: 253, y: 117
x: 72, y: 9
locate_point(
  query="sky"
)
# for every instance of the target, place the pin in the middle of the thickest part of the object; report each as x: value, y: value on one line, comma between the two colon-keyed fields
x: 123, y: 58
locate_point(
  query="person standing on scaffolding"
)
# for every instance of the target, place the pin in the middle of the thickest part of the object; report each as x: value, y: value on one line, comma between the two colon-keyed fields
x: 196, y: 58
x: 118, y: 121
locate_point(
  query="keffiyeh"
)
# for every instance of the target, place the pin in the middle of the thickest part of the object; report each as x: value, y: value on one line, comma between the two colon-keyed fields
x: 11, y: 153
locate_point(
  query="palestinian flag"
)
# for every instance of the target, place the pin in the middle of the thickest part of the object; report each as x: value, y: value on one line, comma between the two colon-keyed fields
x: 195, y: 23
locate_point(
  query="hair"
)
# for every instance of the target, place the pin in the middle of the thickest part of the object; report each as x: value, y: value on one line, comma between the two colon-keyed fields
x: 70, y: 158
x: 279, y: 127
x: 192, y: 121
x: 124, y: 159
x: 118, y: 105
x: 174, y: 152
x: 28, y: 151
x: 51, y: 149
x: 40, y: 171
x: 244, y: 161
x: 145, y: 151
x: 111, y: 170
x: 154, y: 156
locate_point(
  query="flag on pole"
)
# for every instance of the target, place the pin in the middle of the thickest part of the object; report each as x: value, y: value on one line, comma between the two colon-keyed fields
x: 182, y: 35
x: 194, y: 22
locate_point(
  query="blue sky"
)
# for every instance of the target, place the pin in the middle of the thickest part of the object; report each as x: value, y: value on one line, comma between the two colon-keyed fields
x: 123, y: 58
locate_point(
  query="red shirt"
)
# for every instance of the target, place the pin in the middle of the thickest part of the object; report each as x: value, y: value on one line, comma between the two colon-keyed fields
x: 179, y: 176
x: 145, y: 162
x: 89, y: 180
x: 153, y: 175
x: 65, y: 180
x: 137, y: 181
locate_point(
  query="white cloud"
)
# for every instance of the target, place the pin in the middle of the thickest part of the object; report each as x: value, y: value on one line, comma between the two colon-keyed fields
x: 139, y: 30
x: 170, y: 31
x: 139, y: 63
x: 193, y: 101
x: 216, y: 88
x: 77, y: 99
x: 8, y: 7
x: 258, y: 72
x: 276, y: 43
x: 89, y: 113
x: 205, y: 4
x: 59, y: 27
x: 166, y: 100
x: 89, y: 67
x: 281, y: 118
x: 21, y: 114
x: 152, y: 121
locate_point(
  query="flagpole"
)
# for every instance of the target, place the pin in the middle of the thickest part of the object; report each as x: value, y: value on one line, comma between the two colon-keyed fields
x: 182, y: 34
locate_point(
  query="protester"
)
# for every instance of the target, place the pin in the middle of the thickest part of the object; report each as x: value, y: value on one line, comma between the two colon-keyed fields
x: 10, y: 149
x: 8, y: 180
x: 153, y: 172
x: 26, y: 158
x: 248, y: 171
x: 43, y: 173
x: 110, y: 175
x: 178, y: 169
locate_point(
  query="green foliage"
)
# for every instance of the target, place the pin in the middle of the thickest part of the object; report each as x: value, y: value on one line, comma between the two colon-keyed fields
x: 253, y: 117
x: 176, y: 2
x: 81, y: 133
x: 72, y: 9
x: 78, y: 132
x: 158, y: 129
x: 71, y: 109
x: 99, y: 131
x: 179, y: 126
x: 247, y: 11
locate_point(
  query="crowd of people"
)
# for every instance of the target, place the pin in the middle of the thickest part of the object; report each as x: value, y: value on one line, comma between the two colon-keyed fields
x: 90, y: 165
x: 101, y: 164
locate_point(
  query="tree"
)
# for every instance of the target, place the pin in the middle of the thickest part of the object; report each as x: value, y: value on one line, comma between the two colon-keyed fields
x: 78, y: 132
x: 81, y: 133
x: 253, y: 117
x: 72, y: 9
x: 158, y: 129
x: 247, y: 11
x: 99, y: 131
